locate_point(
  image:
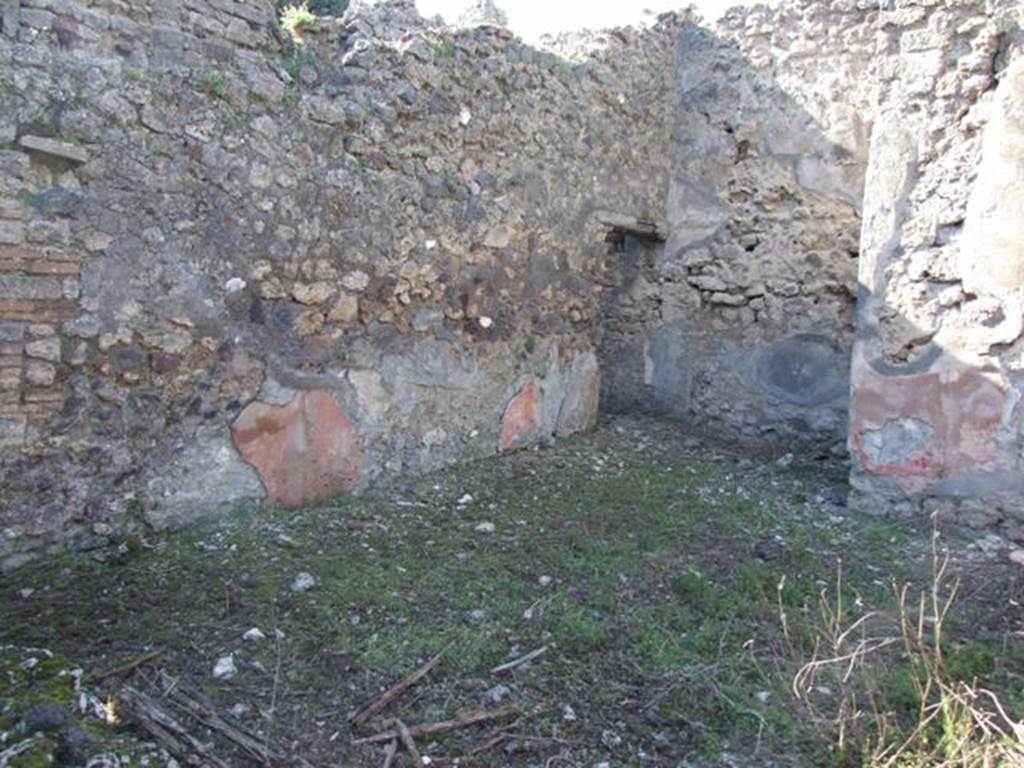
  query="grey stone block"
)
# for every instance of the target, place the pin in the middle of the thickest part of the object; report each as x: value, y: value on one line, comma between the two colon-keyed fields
x: 54, y: 148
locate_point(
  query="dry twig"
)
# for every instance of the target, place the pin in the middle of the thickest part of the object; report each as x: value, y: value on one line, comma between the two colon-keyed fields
x: 462, y: 721
x: 520, y: 661
x: 363, y: 715
x: 164, y: 729
x: 131, y: 666
x: 408, y: 742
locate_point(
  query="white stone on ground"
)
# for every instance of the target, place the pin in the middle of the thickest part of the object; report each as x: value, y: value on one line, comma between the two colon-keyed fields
x: 498, y: 693
x: 225, y: 668
x: 303, y: 582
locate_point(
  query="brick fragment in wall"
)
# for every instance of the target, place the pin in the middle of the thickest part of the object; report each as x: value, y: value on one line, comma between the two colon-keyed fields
x: 41, y: 267
x: 32, y: 311
x: 12, y: 208
x: 46, y: 399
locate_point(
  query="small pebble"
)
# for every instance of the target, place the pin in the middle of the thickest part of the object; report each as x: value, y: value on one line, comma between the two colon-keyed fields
x: 254, y: 635
x: 42, y: 718
x: 610, y: 739
x: 498, y: 694
x: 485, y: 527
x: 303, y: 582
x: 225, y: 668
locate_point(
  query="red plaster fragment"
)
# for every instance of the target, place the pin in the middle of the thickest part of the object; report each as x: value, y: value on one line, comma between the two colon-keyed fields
x: 963, y: 406
x: 521, y: 418
x: 305, y: 451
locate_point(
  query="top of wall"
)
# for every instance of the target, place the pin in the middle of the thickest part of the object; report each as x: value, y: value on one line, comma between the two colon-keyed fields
x: 165, y: 33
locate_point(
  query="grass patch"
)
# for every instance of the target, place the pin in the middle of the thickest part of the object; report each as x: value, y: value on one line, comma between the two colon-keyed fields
x: 213, y: 85
x: 656, y: 577
x: 295, y: 17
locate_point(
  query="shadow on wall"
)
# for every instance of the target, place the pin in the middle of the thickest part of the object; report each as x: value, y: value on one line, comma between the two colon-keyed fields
x: 743, y: 320
x: 936, y: 414
x: 232, y: 272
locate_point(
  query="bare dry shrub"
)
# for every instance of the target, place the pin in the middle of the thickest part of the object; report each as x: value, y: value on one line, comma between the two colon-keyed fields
x: 860, y: 661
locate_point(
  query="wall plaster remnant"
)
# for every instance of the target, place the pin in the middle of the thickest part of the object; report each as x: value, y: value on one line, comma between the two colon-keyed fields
x: 234, y: 270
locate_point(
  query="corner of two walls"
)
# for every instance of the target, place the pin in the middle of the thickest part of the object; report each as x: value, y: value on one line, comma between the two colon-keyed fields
x: 230, y: 271
x: 743, y: 320
x: 833, y: 156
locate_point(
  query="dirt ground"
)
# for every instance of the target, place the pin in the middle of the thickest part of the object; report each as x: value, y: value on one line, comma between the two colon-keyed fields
x: 653, y: 567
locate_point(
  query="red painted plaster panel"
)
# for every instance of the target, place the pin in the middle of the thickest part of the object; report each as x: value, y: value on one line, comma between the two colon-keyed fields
x: 305, y: 451
x: 521, y: 418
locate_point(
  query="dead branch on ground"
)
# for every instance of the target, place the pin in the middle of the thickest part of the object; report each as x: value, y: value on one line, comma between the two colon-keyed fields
x: 363, y: 715
x: 462, y: 721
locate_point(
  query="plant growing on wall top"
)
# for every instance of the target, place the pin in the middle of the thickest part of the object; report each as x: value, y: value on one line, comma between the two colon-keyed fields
x: 319, y: 7
x: 294, y: 19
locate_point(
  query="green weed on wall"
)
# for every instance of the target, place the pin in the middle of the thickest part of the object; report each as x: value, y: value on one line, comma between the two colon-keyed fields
x: 320, y: 7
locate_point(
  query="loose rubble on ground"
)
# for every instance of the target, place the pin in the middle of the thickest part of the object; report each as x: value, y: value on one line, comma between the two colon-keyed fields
x: 624, y: 610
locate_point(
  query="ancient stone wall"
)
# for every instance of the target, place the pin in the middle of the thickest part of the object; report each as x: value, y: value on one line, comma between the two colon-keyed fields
x: 234, y: 270
x: 937, y: 368
x: 744, y: 319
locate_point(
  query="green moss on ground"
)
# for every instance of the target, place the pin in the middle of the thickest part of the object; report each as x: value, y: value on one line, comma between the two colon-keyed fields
x: 33, y: 677
x: 656, y: 574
